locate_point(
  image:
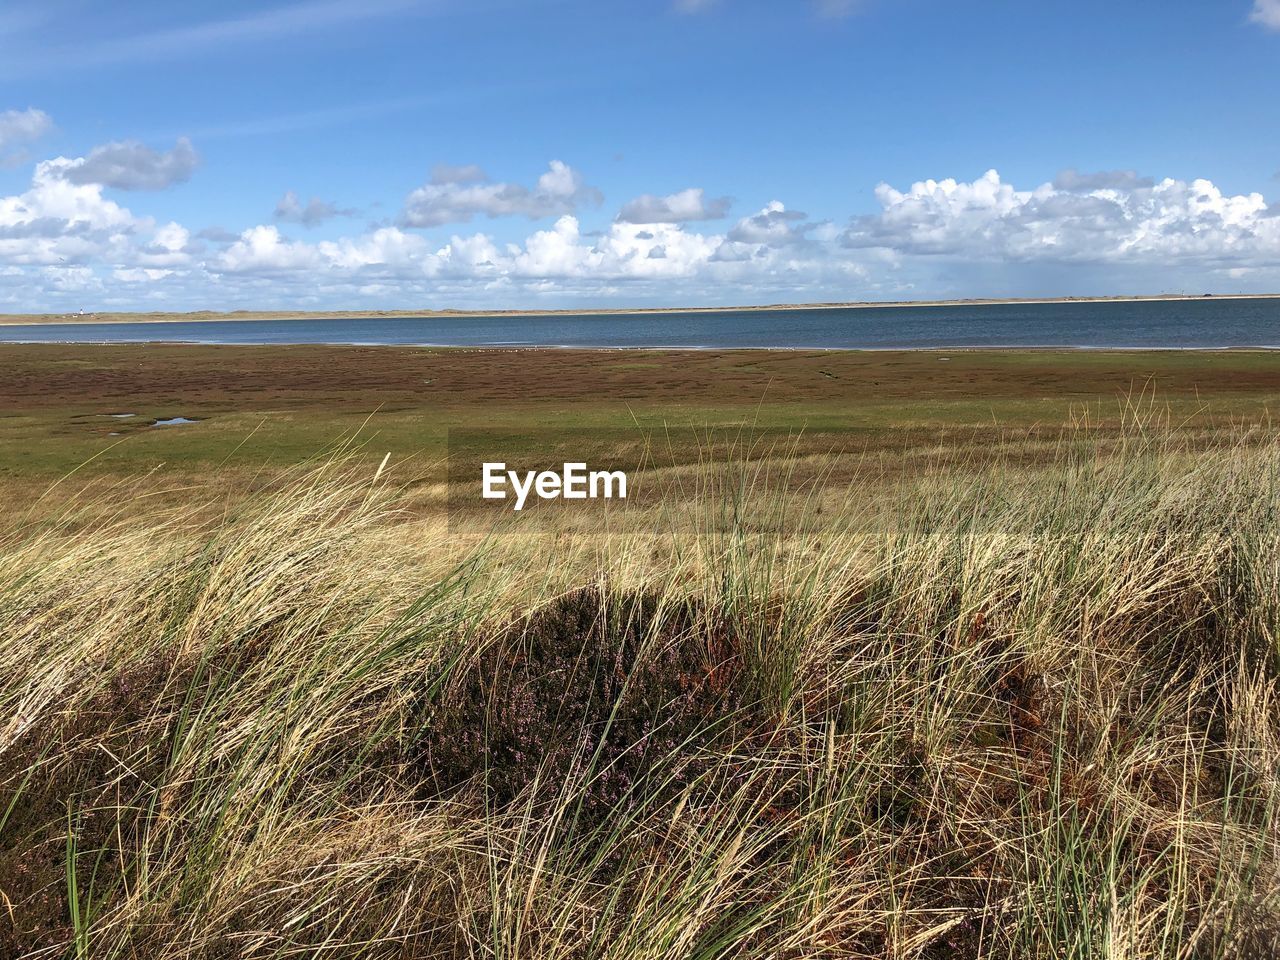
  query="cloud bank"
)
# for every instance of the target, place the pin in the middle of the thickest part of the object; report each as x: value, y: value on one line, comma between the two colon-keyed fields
x: 65, y: 244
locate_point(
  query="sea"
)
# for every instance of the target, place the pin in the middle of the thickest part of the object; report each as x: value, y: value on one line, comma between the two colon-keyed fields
x: 1207, y: 323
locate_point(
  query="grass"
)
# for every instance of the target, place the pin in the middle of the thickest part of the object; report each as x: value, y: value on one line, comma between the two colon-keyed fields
x: 1010, y: 711
x: 275, y: 406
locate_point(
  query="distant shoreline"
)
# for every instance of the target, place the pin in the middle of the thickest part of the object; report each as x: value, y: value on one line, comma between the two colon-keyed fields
x: 210, y: 316
x: 1028, y: 348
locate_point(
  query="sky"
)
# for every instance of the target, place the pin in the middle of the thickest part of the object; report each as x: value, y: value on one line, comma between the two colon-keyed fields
x: 425, y: 154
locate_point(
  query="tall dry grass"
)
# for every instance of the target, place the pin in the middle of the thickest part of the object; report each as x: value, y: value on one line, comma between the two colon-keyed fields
x: 1013, y: 714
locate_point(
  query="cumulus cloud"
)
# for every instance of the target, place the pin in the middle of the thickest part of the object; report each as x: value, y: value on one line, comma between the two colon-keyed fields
x: 1087, y: 222
x: 130, y: 165
x: 775, y: 226
x: 19, y: 128
x: 457, y: 194
x: 65, y: 242
x: 291, y: 209
x: 263, y: 250
x: 683, y: 207
x: 1266, y: 13
x: 57, y: 224
x: 559, y: 264
x: 79, y: 209
x: 560, y: 253
x: 1167, y: 222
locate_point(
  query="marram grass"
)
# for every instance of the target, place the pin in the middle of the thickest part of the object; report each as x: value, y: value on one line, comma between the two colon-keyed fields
x: 1016, y: 714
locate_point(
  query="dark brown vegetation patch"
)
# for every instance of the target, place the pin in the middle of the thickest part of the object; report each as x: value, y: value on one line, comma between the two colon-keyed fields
x: 606, y: 691
x: 73, y: 794
x: 89, y: 378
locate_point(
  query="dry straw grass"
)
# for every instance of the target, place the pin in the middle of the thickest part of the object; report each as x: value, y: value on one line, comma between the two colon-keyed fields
x: 1015, y: 715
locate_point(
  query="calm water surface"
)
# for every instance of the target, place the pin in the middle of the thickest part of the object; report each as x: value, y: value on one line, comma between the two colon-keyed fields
x: 1204, y: 323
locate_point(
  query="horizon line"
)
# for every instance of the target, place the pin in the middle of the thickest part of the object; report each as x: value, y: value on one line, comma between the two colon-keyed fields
x: 213, y: 315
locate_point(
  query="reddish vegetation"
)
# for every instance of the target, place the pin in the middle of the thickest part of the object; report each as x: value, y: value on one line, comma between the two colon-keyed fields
x: 211, y: 378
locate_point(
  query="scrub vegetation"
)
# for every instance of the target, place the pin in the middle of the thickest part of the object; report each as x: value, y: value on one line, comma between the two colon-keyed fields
x: 1019, y: 710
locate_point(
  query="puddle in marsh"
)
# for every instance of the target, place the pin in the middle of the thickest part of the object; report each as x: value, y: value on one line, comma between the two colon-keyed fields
x: 173, y: 421
x: 119, y: 416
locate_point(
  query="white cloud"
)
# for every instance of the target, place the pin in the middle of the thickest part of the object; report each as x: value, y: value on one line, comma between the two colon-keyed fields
x: 18, y: 128
x: 683, y: 207
x: 170, y: 246
x: 23, y: 126
x: 172, y: 236
x: 62, y: 242
x: 385, y: 247
x: 456, y: 194
x: 989, y: 220
x: 140, y: 274
x: 262, y: 249
x: 130, y: 165
x: 562, y: 253
x: 62, y: 229
x: 291, y: 209
x: 775, y: 226
x: 56, y: 219
x: 73, y: 280
x: 1082, y: 225
x: 1267, y: 13
x: 559, y: 253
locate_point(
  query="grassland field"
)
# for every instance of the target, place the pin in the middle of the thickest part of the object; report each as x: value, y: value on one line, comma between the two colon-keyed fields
x: 278, y: 405
x: 260, y: 699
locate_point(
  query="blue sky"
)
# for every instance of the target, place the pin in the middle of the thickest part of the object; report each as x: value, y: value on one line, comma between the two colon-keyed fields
x: 492, y: 153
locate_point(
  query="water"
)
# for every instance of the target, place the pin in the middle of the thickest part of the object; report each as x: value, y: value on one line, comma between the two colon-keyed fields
x: 1203, y: 323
